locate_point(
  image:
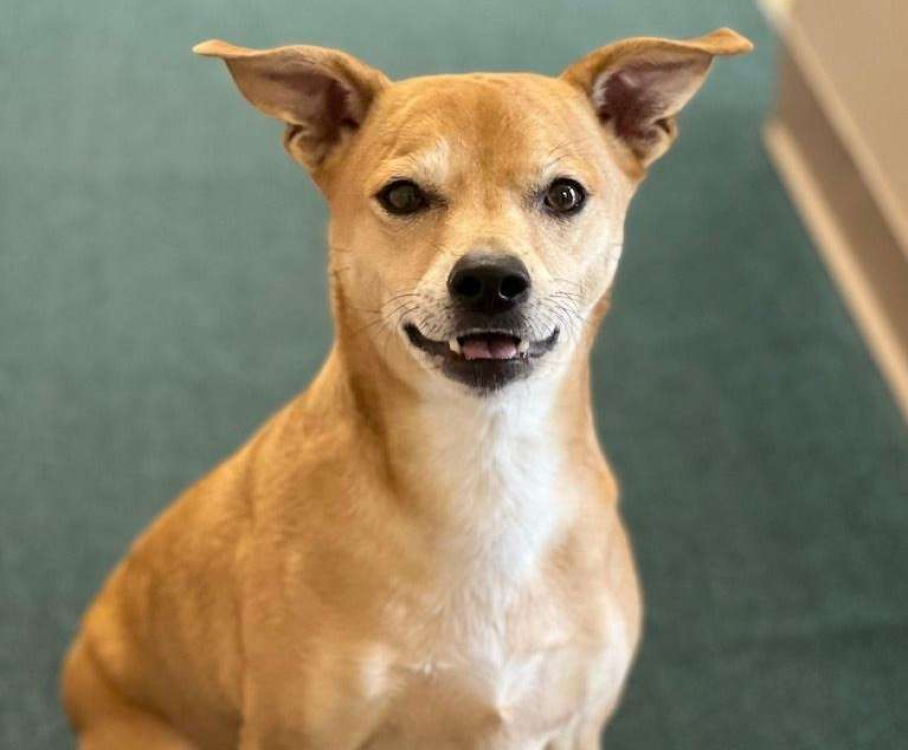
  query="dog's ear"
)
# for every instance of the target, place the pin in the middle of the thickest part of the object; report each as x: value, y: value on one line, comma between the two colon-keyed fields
x: 321, y: 94
x: 637, y: 86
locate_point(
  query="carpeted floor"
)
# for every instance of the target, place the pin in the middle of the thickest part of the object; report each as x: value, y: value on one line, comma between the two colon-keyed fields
x: 161, y: 292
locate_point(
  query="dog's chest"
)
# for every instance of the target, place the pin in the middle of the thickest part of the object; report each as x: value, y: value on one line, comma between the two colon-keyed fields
x: 495, y: 654
x: 478, y: 689
x: 500, y: 678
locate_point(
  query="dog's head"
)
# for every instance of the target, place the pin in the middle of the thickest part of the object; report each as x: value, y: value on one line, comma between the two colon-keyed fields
x: 476, y: 220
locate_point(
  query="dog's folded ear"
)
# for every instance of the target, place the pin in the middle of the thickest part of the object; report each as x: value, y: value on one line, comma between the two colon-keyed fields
x: 321, y: 94
x: 637, y: 86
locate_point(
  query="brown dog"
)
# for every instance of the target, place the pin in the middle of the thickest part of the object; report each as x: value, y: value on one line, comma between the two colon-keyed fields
x: 424, y: 549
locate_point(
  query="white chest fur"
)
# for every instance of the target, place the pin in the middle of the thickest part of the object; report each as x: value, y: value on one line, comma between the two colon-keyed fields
x: 491, y: 658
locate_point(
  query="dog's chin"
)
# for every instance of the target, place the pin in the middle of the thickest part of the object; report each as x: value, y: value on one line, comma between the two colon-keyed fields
x: 484, y: 360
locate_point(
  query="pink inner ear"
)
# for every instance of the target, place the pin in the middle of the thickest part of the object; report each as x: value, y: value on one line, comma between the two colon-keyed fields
x: 636, y: 97
x: 338, y: 105
x: 321, y: 100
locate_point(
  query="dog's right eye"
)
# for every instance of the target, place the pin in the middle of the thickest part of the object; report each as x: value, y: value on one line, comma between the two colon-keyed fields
x: 402, y: 197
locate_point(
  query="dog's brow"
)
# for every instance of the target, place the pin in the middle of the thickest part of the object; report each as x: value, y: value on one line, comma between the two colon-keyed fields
x: 573, y: 156
x: 565, y: 165
x: 427, y: 166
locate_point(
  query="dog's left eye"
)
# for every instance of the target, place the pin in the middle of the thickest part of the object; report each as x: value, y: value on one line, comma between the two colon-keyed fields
x: 402, y: 197
x: 564, y: 196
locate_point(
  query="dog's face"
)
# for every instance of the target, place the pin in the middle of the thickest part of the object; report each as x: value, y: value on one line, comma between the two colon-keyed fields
x: 476, y: 220
x: 480, y: 217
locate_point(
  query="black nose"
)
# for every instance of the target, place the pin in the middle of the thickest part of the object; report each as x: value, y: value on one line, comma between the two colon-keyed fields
x: 489, y: 283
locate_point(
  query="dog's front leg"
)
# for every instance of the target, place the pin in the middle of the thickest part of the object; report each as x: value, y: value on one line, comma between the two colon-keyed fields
x: 584, y: 740
x: 278, y: 727
x: 106, y: 719
x: 587, y: 734
x: 274, y: 716
x: 255, y: 737
x: 305, y: 709
x: 274, y: 736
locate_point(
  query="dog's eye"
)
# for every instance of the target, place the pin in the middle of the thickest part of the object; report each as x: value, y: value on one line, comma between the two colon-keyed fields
x: 564, y: 196
x: 402, y: 197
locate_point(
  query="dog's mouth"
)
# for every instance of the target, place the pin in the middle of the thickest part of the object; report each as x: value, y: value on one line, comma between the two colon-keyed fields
x: 482, y: 345
x: 484, y: 359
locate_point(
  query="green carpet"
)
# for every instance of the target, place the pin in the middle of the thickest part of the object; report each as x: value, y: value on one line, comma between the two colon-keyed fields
x: 161, y: 292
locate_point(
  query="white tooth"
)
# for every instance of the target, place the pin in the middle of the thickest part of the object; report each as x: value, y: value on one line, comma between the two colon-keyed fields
x: 454, y: 344
x: 524, y: 346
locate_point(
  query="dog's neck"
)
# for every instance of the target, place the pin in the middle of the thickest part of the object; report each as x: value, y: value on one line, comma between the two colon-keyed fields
x: 493, y: 474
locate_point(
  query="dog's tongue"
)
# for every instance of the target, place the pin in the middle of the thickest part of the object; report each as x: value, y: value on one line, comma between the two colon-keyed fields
x: 489, y: 347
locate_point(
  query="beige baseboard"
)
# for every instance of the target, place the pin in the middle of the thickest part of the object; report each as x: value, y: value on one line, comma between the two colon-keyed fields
x: 861, y: 253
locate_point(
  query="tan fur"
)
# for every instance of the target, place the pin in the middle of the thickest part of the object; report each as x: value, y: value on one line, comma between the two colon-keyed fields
x: 391, y: 561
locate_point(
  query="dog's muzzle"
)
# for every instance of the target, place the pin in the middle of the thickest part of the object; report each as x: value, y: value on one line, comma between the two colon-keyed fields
x: 493, y: 343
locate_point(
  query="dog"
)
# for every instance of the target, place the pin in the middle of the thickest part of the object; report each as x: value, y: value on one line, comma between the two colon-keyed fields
x: 424, y: 549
